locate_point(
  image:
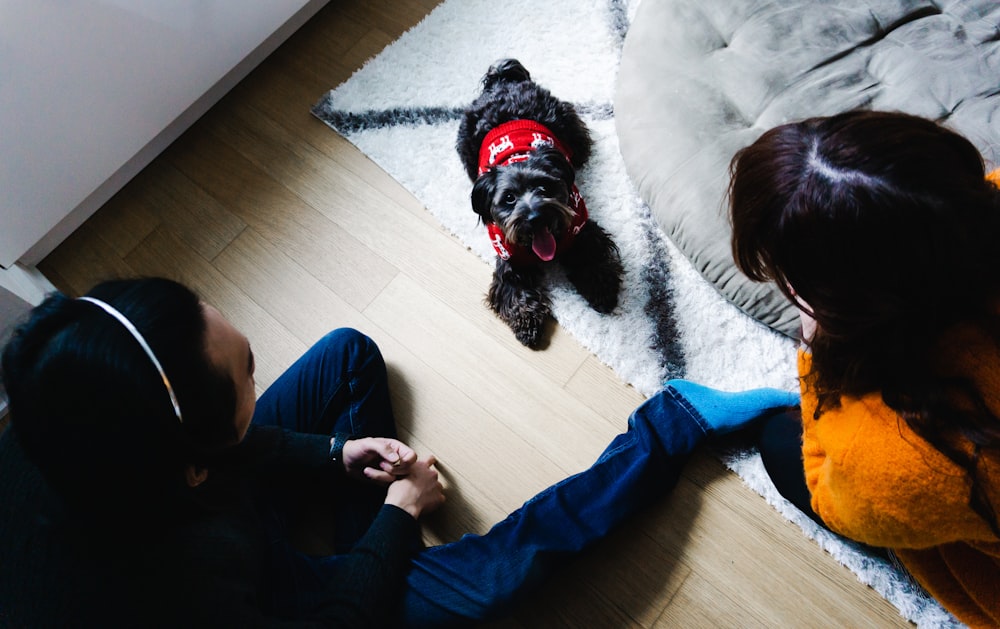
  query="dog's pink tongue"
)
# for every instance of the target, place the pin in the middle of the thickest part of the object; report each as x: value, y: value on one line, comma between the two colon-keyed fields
x: 544, y: 245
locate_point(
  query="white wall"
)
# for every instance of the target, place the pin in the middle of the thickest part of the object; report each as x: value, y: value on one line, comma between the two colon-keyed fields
x: 92, y: 90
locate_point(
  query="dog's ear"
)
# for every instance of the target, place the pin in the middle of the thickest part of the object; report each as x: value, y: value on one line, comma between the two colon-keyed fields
x: 552, y: 161
x: 482, y: 195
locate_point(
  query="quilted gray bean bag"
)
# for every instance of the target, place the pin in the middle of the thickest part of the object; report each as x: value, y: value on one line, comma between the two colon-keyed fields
x: 700, y: 79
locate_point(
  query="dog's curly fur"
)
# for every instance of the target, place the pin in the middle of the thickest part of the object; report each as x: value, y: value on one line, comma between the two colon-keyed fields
x: 532, y: 195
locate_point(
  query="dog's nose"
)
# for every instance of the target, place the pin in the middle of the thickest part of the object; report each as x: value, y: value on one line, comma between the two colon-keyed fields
x: 534, y: 215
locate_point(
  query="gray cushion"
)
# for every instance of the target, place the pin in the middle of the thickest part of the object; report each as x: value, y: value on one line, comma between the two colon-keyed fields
x: 700, y: 79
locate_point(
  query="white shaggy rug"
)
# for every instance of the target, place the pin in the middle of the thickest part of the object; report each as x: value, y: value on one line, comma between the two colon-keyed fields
x: 402, y: 110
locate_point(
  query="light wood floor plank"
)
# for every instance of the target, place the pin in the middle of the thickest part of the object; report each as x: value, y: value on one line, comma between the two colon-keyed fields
x: 614, y: 403
x: 82, y: 260
x: 162, y: 254
x: 195, y: 217
x: 566, y: 431
x: 125, y: 220
x: 300, y: 302
x: 286, y: 98
x: 599, y: 590
x: 334, y: 255
x: 716, y: 526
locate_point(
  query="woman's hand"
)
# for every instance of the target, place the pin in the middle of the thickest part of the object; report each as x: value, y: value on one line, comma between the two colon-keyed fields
x: 378, y: 459
x: 419, y: 491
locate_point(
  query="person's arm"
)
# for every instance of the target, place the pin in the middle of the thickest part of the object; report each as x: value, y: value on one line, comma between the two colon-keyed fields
x: 872, y: 479
x: 363, y: 590
x: 274, y: 445
x: 363, y: 587
x: 269, y: 447
x: 367, y: 586
x: 375, y: 458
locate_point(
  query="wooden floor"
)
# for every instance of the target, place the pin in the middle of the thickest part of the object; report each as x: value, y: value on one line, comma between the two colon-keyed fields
x: 290, y: 231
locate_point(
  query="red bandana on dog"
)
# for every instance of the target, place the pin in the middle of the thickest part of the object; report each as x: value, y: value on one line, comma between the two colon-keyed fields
x: 513, y: 142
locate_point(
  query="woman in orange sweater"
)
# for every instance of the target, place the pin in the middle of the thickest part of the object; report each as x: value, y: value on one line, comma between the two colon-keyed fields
x: 884, y: 230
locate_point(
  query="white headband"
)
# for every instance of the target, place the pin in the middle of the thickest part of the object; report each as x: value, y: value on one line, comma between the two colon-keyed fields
x: 145, y: 346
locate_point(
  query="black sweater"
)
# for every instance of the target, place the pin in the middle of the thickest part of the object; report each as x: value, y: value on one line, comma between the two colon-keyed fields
x: 205, y: 568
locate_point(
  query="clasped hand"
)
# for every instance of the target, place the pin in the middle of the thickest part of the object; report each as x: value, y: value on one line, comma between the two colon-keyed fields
x: 413, y: 482
x: 378, y: 459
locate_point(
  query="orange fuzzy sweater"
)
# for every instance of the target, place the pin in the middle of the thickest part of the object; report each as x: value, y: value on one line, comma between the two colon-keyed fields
x: 872, y: 479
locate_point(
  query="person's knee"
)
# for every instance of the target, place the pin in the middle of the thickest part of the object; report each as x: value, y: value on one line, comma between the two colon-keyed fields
x: 352, y: 349
x: 349, y: 341
x: 345, y: 336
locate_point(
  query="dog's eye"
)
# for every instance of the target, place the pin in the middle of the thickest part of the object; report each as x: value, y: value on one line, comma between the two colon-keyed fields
x: 509, y: 198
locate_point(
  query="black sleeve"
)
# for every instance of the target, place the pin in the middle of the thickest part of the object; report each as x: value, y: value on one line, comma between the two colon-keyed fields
x: 365, y: 591
x: 368, y: 586
x: 269, y: 447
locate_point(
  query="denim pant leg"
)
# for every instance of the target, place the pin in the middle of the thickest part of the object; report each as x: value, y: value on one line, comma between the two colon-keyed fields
x: 338, y: 385
x: 480, y: 576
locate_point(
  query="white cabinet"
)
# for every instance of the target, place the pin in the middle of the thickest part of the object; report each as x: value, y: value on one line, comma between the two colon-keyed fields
x: 92, y: 90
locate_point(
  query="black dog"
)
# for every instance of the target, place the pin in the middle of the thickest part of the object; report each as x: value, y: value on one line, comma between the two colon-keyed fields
x: 521, y: 146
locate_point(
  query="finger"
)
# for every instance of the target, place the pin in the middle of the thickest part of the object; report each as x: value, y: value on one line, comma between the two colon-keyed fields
x: 397, y: 457
x: 431, y: 460
x: 378, y: 476
x: 407, y: 456
x: 388, y: 450
x: 397, y: 453
x: 395, y: 469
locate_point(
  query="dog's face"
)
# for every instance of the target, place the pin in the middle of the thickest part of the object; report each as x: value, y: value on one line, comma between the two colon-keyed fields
x: 529, y: 200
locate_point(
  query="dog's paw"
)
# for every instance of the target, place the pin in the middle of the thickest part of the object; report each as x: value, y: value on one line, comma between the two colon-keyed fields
x: 604, y: 303
x: 594, y: 267
x: 528, y: 329
x: 516, y: 297
x: 600, y: 289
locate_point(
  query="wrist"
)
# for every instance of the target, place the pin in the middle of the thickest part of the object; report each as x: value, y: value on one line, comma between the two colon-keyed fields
x: 337, y: 442
x: 406, y: 505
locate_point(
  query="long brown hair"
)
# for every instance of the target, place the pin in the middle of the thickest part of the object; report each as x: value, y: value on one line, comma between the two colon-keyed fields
x: 884, y: 224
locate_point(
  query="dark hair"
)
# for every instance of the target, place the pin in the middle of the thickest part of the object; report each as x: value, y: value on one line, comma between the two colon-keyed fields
x: 91, y: 410
x: 884, y: 224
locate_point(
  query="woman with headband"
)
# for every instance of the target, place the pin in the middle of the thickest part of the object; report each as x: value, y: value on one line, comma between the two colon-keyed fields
x: 141, y: 484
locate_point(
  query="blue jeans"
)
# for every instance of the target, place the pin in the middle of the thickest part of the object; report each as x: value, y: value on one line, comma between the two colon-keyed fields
x: 479, y: 577
x: 339, y: 385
